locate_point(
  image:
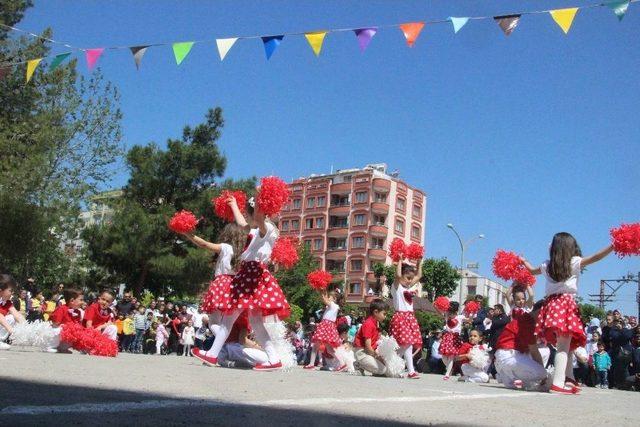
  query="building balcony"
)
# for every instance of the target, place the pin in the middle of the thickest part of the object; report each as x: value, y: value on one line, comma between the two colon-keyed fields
x: 378, y: 230
x: 380, y: 208
x: 343, y: 188
x: 378, y: 254
x: 339, y: 210
x: 381, y: 185
x: 338, y: 232
x: 336, y: 254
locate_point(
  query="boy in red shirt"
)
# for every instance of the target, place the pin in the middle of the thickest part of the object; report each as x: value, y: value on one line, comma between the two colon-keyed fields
x: 517, y: 359
x: 99, y: 316
x: 366, y: 340
x: 63, y: 314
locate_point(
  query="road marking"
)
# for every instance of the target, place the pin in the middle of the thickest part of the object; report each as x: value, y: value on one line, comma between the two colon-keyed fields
x: 115, y: 407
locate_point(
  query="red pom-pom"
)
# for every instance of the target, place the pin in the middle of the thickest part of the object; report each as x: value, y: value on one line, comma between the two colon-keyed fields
x: 414, y: 251
x: 183, y: 222
x: 285, y: 252
x: 222, y: 209
x: 319, y: 279
x: 397, y: 249
x: 523, y: 277
x: 441, y: 304
x: 505, y: 264
x: 626, y: 240
x: 88, y: 340
x: 471, y: 307
x: 272, y: 196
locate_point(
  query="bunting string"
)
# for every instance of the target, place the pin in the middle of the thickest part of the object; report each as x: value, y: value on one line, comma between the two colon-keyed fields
x: 563, y: 17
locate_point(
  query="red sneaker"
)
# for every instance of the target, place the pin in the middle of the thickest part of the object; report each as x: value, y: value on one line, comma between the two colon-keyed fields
x: 561, y: 390
x: 268, y: 366
x: 309, y: 367
x: 413, y: 376
x: 199, y: 354
x: 573, y: 382
x: 446, y: 378
x: 341, y: 368
x: 517, y: 384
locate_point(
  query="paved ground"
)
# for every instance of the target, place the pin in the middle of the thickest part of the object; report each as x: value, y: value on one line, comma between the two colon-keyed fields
x: 38, y: 388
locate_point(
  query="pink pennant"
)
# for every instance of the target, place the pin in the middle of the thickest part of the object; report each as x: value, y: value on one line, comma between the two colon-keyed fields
x: 92, y: 56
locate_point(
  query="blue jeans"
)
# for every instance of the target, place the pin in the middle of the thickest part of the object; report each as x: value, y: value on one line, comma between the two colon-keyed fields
x: 137, y: 341
x: 602, y: 378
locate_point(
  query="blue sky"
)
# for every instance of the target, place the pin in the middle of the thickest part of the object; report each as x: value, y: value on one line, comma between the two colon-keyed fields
x: 515, y: 137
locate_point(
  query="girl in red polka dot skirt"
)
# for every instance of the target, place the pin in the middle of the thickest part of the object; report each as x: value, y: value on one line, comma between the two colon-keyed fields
x: 450, y: 343
x: 559, y: 321
x: 253, y: 288
x: 326, y: 332
x: 404, y: 326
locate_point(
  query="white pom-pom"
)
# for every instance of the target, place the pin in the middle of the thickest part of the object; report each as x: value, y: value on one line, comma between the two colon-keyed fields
x: 278, y: 332
x: 478, y: 358
x: 347, y: 357
x: 387, y: 347
x: 34, y: 334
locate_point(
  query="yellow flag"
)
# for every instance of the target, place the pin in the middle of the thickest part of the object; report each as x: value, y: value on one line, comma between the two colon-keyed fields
x: 31, y: 67
x: 315, y: 41
x: 564, y: 17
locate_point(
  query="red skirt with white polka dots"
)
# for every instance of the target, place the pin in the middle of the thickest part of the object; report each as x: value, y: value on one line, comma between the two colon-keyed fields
x: 327, y: 333
x: 255, y: 288
x: 450, y: 344
x: 405, y: 328
x: 217, y: 296
x: 560, y: 315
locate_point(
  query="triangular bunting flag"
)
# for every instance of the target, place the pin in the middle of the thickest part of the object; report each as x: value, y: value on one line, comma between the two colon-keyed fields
x: 619, y: 8
x: 271, y: 43
x: 564, y: 17
x: 411, y: 31
x: 92, y: 56
x: 315, y: 41
x: 224, y: 46
x: 181, y: 50
x: 31, y: 67
x: 458, y: 23
x: 138, y: 52
x: 57, y: 60
x: 507, y: 23
x: 364, y: 36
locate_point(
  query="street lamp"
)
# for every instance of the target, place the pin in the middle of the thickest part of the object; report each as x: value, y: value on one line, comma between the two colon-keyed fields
x: 463, y: 247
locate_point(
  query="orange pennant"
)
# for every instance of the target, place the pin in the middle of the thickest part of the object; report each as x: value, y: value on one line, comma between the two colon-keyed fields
x: 411, y: 31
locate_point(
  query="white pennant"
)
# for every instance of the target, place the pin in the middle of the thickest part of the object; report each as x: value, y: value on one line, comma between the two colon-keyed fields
x: 224, y: 46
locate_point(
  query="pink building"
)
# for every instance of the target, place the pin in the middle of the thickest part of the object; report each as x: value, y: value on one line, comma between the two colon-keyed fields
x: 348, y: 218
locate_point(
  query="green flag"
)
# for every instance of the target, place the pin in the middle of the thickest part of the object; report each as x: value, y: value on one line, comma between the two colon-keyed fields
x: 58, y: 60
x: 181, y: 50
x: 619, y: 8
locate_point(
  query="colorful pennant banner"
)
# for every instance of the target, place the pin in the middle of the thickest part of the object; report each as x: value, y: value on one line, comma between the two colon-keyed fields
x: 563, y: 17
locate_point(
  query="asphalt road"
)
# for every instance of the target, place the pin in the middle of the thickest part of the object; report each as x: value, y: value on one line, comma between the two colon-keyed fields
x: 60, y: 389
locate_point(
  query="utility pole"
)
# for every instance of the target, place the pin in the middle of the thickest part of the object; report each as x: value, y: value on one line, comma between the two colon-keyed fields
x: 614, y: 286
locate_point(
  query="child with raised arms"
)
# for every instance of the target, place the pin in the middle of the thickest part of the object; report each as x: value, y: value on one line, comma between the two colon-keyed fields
x: 326, y: 333
x: 450, y: 343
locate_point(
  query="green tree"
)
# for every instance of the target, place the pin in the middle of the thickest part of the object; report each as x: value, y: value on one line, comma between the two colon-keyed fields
x: 587, y: 311
x: 439, y: 277
x: 429, y: 321
x: 294, y: 283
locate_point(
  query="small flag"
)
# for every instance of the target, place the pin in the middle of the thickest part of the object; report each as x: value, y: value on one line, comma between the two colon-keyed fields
x: 138, y: 52
x: 564, y: 17
x: 92, y: 56
x: 224, y: 46
x: 57, y: 60
x: 364, y: 36
x: 458, y: 23
x: 507, y: 23
x: 619, y: 8
x: 181, y: 50
x: 315, y: 41
x: 31, y: 67
x: 411, y: 31
x: 271, y: 43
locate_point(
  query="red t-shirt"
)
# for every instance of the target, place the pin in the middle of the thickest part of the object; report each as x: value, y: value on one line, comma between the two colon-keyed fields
x: 518, y: 334
x: 97, y: 315
x: 63, y: 315
x: 241, y: 323
x: 369, y: 329
x: 464, y: 349
x: 5, y: 306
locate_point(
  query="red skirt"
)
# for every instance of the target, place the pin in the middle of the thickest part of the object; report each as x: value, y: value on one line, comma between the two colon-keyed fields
x: 255, y: 288
x: 450, y: 344
x: 405, y: 329
x: 327, y: 333
x: 560, y: 315
x: 217, y: 296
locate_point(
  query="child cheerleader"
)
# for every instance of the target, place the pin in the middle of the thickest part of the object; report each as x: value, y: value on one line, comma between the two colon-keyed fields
x: 253, y: 288
x: 451, y: 343
x: 520, y: 298
x: 326, y: 332
x: 559, y: 319
x: 474, y: 366
x: 404, y: 326
x: 100, y: 316
x: 9, y: 316
x: 187, y: 338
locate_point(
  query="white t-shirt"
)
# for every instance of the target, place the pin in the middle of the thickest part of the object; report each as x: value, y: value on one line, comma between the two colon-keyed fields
x: 331, y: 312
x: 223, y: 265
x: 400, y: 303
x: 569, y: 286
x: 260, y: 248
x: 457, y: 328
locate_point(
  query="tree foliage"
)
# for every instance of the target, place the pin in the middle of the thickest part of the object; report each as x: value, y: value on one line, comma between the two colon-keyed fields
x: 439, y: 277
x: 588, y: 311
x: 294, y: 283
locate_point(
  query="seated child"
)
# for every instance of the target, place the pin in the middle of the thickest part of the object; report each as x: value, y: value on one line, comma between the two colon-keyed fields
x: 366, y: 340
x: 470, y: 371
x: 8, y: 313
x: 100, y: 316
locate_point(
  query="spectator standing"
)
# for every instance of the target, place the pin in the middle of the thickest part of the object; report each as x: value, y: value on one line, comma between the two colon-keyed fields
x: 478, y: 321
x: 188, y: 335
x: 140, y: 325
x: 602, y: 363
x: 435, y: 358
x: 125, y: 305
x: 129, y: 332
x: 620, y: 352
x: 498, y: 322
x: 633, y: 380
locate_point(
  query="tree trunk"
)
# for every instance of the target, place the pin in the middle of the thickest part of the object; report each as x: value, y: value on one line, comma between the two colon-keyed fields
x: 141, y: 280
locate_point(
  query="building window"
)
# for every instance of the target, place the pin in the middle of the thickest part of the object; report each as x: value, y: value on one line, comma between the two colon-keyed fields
x: 311, y: 202
x: 320, y: 222
x: 307, y: 243
x: 335, y: 266
x: 417, y: 211
x: 347, y: 178
x: 338, y: 221
x: 284, y: 226
x: 308, y: 223
x: 379, y: 219
x: 381, y: 198
x: 317, y: 244
x: 471, y: 290
x: 322, y: 201
x: 401, y: 204
x: 357, y: 242
x: 297, y: 188
x: 362, y: 197
x: 337, y: 244
x: 355, y: 288
x: 295, y: 224
x: 356, y: 265
x: 359, y: 219
x: 415, y: 232
x: 339, y: 200
x: 399, y: 226
x: 377, y: 243
x: 296, y: 203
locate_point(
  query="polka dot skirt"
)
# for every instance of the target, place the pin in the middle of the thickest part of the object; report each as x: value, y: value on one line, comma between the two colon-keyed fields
x: 255, y: 288
x: 217, y: 296
x: 450, y: 344
x: 327, y: 333
x: 405, y: 329
x: 560, y: 315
